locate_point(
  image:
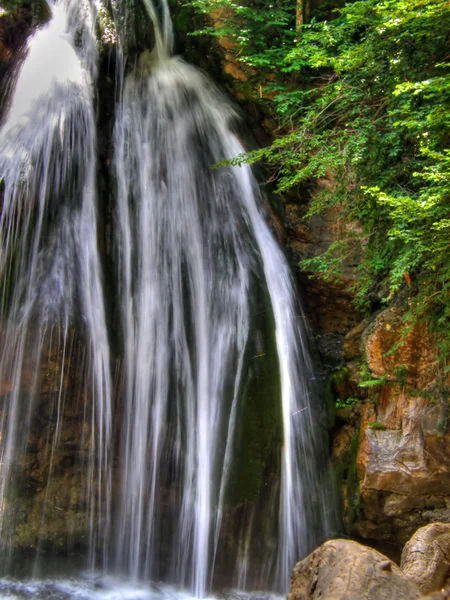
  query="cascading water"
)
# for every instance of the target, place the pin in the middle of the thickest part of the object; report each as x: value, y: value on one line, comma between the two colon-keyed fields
x: 49, y: 262
x: 201, y: 466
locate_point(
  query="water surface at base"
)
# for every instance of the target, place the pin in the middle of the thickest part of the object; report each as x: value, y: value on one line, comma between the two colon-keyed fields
x: 96, y: 587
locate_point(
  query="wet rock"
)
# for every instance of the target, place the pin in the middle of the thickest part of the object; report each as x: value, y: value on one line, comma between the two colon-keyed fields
x: 329, y: 304
x: 352, y: 348
x: 426, y: 557
x: 346, y: 570
x: 342, y: 441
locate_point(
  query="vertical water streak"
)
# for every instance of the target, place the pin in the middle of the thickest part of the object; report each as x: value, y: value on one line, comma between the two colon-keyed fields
x: 162, y: 27
x: 185, y: 300
x: 49, y: 261
x: 193, y: 242
x: 301, y: 453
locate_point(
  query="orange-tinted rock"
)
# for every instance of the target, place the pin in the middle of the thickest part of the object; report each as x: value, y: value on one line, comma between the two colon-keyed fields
x: 352, y: 348
x: 403, y: 458
x: 231, y: 65
x: 391, y: 346
x: 341, y: 442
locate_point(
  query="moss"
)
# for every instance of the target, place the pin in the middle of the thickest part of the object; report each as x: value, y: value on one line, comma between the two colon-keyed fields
x: 106, y: 31
x: 55, y: 518
x: 330, y: 402
x: 132, y: 25
x: 259, y: 428
x: 335, y: 379
x: 377, y: 426
x: 347, y: 477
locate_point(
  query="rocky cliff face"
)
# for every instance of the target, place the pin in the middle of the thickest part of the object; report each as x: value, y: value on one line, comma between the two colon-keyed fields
x: 390, y: 439
x: 402, y: 460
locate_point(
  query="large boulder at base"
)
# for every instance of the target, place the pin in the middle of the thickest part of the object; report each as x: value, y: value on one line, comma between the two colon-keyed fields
x: 346, y: 570
x: 426, y: 557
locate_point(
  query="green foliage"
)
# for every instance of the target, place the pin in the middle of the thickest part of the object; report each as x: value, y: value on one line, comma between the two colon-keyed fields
x: 368, y: 381
x: 401, y: 374
x: 38, y: 9
x: 9, y: 5
x: 366, y: 378
x: 363, y: 102
x: 348, y: 402
x: 372, y: 382
x: 377, y: 426
x: 260, y: 33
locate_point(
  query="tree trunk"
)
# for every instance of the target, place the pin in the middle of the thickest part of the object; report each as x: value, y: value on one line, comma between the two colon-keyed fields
x: 299, y: 15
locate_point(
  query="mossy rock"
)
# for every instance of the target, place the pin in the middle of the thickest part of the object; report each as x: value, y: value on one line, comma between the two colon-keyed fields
x: 258, y: 438
x: 348, y: 483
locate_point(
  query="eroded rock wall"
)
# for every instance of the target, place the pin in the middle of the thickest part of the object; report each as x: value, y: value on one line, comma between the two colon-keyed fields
x: 400, y: 430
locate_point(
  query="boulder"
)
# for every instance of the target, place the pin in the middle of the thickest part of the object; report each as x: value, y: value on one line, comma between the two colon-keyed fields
x: 345, y: 570
x: 426, y: 557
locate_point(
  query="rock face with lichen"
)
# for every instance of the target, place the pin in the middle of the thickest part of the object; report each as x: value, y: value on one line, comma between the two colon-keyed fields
x: 402, y: 459
x: 388, y: 391
x: 49, y: 505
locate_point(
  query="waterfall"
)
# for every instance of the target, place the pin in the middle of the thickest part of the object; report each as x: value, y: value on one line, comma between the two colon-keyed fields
x: 201, y: 461
x: 49, y: 262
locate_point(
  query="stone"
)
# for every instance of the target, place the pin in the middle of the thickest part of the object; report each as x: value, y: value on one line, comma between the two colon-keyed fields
x: 426, y: 557
x: 341, y: 442
x: 231, y: 64
x: 352, y: 343
x: 398, y: 463
x: 440, y: 595
x: 403, y: 455
x: 345, y: 570
x: 391, y: 347
x: 404, y: 480
x: 329, y: 304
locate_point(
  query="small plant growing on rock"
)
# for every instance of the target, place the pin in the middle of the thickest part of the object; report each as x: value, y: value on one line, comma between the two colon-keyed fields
x: 348, y: 402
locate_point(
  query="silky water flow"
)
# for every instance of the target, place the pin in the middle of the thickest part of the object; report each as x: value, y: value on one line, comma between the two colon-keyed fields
x: 201, y: 462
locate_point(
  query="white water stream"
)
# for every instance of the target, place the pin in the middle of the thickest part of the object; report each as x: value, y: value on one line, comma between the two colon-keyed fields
x: 49, y: 261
